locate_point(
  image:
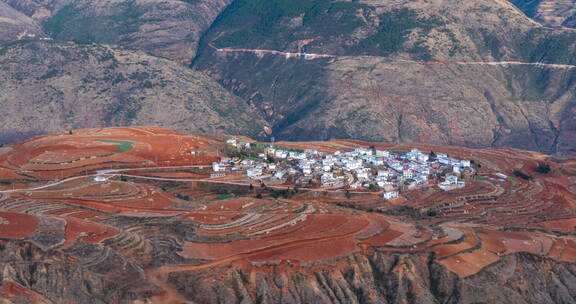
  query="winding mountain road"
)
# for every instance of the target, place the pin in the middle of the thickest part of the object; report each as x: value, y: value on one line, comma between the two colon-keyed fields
x: 311, y: 56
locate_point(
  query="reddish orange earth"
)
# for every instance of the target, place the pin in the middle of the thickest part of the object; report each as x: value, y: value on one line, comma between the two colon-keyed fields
x: 130, y: 189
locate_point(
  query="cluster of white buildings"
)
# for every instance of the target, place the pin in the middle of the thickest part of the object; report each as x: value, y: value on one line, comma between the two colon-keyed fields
x: 357, y: 169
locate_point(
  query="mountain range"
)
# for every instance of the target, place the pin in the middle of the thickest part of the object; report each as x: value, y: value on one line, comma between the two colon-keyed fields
x: 478, y: 74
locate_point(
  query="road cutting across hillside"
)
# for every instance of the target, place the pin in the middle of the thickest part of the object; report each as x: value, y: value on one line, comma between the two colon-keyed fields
x: 312, y: 56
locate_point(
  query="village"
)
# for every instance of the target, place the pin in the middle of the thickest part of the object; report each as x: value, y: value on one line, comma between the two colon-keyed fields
x: 361, y: 169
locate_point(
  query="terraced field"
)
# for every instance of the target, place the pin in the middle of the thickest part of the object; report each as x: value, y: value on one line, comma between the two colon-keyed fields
x: 151, y: 219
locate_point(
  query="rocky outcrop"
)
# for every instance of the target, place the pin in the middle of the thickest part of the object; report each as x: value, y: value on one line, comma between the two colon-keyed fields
x: 359, y: 278
x: 383, y: 278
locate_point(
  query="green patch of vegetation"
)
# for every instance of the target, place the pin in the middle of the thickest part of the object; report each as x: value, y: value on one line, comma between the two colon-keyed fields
x: 106, y: 57
x: 543, y: 168
x: 50, y: 74
x: 57, y: 23
x: 522, y: 175
x: 238, y: 38
x: 259, y: 20
x: 395, y: 26
x: 546, y: 46
x: 123, y: 145
x: 493, y: 44
x: 190, y: 1
x: 420, y: 51
x: 183, y: 197
x: 223, y: 197
x: 76, y: 22
x: 529, y: 7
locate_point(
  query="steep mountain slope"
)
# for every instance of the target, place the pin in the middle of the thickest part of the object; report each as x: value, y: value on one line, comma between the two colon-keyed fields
x: 15, y: 25
x: 430, y: 71
x: 168, y: 29
x: 550, y: 12
x: 47, y: 87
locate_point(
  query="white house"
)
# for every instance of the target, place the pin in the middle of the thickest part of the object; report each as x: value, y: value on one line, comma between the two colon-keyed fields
x: 254, y: 172
x: 362, y: 174
x: 423, y: 157
x: 279, y: 174
x: 355, y: 185
x: 232, y: 142
x: 408, y: 172
x: 100, y: 178
x: 218, y: 167
x: 504, y: 176
x: 354, y: 164
x: 451, y: 183
x: 281, y: 154
x: 451, y: 180
x: 384, y: 173
x: 363, y: 151
x: 390, y: 195
x: 327, y: 179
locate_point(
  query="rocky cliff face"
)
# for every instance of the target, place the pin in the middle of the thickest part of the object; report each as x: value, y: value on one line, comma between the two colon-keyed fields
x: 359, y: 278
x: 385, y: 278
x: 48, y: 87
x: 437, y: 72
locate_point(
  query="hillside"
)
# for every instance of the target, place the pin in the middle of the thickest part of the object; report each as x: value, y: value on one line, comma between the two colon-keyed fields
x: 129, y: 215
x: 550, y: 13
x: 475, y: 74
x: 169, y: 29
x: 50, y: 87
x: 447, y: 72
x: 15, y: 25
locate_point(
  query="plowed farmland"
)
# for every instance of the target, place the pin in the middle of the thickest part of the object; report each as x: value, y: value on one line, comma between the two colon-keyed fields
x: 131, y: 205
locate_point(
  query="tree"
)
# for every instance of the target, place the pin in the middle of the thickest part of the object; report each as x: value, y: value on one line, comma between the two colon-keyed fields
x: 543, y: 168
x: 251, y: 187
x: 522, y: 175
x: 259, y: 195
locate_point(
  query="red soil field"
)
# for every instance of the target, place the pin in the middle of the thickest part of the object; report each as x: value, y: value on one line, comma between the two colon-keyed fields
x: 12, y: 291
x: 16, y: 225
x: 86, y: 231
x: 472, y: 228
